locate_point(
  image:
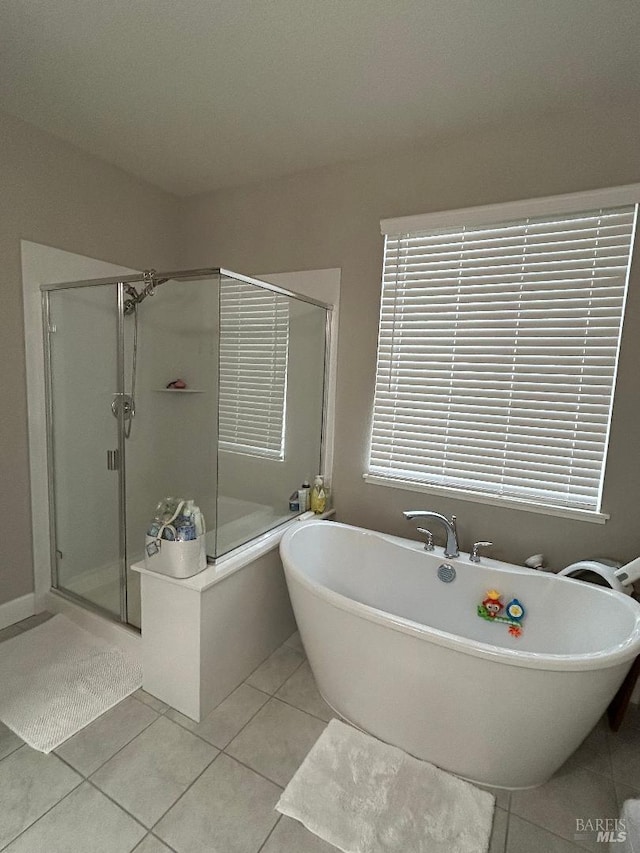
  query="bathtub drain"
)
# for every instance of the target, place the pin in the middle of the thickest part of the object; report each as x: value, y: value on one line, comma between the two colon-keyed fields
x: 446, y: 573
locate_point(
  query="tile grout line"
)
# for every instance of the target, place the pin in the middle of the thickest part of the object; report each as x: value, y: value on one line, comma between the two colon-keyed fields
x: 245, y: 682
x: 248, y: 766
x: 304, y: 710
x: 16, y: 748
x: 555, y: 834
x: 208, y: 742
x: 269, y: 834
x: 506, y: 832
x: 33, y: 822
x: 508, y: 808
x: 277, y: 649
x: 191, y: 784
x: 147, y: 829
x: 53, y: 751
x: 608, y: 776
x: 230, y: 755
x: 223, y: 750
x: 177, y: 800
x: 148, y: 704
x: 252, y: 769
x: 610, y: 757
x: 117, y: 752
x: 280, y: 686
x: 599, y: 775
x: 264, y: 692
x: 104, y: 793
x: 119, y: 805
x: 110, y: 798
x: 157, y: 837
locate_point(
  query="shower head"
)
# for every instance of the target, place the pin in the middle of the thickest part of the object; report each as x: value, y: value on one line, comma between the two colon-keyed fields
x: 134, y: 298
x: 130, y: 304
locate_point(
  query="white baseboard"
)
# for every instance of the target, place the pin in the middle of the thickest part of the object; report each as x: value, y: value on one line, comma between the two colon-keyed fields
x: 17, y: 609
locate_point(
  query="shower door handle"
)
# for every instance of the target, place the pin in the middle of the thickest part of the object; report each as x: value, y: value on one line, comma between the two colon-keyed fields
x: 113, y: 460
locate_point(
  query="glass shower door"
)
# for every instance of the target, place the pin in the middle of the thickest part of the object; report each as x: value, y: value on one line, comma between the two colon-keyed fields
x: 171, y: 449
x: 85, y: 476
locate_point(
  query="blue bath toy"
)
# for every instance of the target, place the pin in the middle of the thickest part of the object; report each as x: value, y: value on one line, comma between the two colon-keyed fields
x: 515, y: 610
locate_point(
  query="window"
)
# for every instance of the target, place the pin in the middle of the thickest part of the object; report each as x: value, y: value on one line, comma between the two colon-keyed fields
x: 497, y: 352
x: 254, y: 346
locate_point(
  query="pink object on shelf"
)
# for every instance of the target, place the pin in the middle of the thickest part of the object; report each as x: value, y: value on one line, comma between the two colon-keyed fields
x: 179, y: 384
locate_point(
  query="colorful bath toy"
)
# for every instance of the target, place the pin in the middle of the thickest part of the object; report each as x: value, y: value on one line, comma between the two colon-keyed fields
x: 513, y: 613
x: 492, y: 603
x: 515, y: 610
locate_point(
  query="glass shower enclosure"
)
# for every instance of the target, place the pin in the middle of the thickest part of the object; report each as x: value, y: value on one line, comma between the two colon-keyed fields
x: 202, y: 384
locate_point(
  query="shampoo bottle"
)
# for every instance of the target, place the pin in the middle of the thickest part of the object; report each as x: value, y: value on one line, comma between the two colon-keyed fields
x: 304, y: 495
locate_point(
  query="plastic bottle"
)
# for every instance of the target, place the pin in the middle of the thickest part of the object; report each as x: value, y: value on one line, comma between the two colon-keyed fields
x: 167, y: 511
x: 199, y: 520
x: 318, y: 496
x: 186, y: 523
x: 304, y: 495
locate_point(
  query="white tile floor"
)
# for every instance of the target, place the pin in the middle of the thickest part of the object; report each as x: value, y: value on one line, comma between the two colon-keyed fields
x: 145, y: 778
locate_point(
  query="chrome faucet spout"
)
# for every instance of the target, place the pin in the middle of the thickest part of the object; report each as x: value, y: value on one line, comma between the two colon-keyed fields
x: 449, y: 524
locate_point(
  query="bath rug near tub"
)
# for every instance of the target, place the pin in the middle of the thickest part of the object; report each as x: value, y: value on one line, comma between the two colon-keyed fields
x: 364, y: 796
x: 57, y: 678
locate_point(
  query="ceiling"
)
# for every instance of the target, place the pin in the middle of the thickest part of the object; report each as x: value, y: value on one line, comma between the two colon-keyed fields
x: 193, y: 95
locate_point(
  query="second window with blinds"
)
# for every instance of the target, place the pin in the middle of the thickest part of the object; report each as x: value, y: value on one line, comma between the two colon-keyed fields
x: 497, y: 352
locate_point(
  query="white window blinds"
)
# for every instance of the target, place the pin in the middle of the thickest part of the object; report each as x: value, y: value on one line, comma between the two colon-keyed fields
x: 254, y: 346
x: 497, y: 356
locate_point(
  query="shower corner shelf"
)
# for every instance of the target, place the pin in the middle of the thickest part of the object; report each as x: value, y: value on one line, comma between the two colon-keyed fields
x: 180, y: 390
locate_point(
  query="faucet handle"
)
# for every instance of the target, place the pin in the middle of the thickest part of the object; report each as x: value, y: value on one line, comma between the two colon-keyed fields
x: 474, y: 557
x: 429, y: 543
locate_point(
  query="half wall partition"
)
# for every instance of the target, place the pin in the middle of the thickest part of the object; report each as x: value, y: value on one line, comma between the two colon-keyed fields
x: 243, y: 433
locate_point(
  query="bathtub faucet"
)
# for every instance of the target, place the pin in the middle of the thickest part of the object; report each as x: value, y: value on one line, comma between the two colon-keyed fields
x: 449, y: 524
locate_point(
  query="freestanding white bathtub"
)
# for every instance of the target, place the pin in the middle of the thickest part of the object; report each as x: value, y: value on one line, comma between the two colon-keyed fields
x: 405, y: 656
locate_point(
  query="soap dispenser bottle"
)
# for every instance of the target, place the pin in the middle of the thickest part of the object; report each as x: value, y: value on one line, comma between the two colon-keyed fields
x: 318, y: 496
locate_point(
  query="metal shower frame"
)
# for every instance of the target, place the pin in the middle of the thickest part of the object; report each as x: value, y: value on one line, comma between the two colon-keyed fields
x: 150, y: 279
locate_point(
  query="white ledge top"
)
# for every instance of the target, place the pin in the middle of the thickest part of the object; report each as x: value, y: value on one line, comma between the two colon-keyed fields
x: 232, y: 562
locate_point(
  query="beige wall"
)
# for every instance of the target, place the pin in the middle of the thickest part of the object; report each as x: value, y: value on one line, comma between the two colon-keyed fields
x: 52, y: 193
x: 330, y: 218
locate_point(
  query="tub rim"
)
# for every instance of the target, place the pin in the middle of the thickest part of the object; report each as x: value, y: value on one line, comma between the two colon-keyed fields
x: 612, y: 656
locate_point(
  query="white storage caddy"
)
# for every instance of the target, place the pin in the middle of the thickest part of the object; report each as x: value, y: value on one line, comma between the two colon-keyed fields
x: 176, y: 559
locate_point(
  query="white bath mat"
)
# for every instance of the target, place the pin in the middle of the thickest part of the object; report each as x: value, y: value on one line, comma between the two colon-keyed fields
x: 364, y: 796
x: 57, y: 678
